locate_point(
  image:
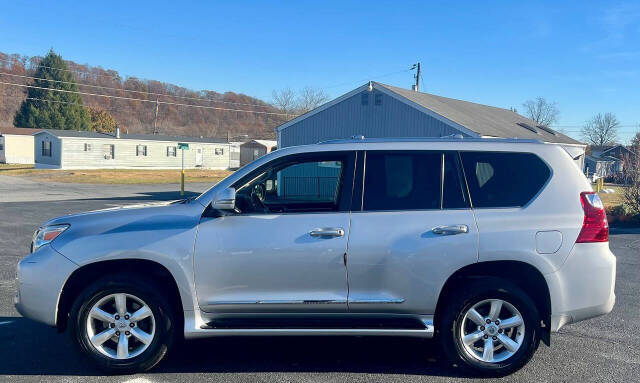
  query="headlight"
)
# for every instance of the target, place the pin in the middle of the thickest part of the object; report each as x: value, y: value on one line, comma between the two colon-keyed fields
x: 45, y: 235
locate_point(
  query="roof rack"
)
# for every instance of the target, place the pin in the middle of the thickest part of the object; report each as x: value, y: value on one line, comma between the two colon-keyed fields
x: 452, y: 138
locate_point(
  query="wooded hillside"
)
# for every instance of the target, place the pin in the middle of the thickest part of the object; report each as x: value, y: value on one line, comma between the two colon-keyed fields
x: 137, y: 116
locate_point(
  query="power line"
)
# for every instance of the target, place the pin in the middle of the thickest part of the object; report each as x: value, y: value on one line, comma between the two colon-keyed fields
x: 67, y: 70
x: 133, y: 91
x: 366, y: 79
x: 148, y: 101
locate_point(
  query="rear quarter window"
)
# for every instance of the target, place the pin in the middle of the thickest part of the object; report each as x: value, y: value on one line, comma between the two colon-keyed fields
x: 503, y: 179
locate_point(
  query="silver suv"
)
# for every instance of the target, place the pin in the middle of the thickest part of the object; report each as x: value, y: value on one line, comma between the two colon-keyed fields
x: 488, y: 245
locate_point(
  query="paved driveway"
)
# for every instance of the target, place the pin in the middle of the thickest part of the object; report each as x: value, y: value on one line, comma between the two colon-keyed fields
x: 605, y: 349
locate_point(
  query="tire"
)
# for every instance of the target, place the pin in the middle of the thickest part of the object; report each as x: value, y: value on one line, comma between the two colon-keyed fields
x: 457, y: 320
x: 147, y: 340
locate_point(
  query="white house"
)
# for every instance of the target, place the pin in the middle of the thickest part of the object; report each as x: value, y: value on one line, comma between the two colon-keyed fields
x: 71, y: 149
x: 16, y: 145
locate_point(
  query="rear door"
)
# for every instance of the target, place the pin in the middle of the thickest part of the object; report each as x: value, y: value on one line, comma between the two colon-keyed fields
x: 413, y: 227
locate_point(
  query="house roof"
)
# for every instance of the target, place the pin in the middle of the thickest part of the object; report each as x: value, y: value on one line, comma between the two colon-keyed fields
x: 139, y: 137
x: 265, y: 143
x: 474, y: 119
x: 483, y: 119
x: 17, y: 131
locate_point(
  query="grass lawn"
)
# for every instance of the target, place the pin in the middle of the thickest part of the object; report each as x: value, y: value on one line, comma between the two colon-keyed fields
x: 114, y: 176
x: 612, y: 199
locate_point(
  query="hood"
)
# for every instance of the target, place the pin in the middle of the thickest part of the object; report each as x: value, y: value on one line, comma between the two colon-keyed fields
x: 121, y: 212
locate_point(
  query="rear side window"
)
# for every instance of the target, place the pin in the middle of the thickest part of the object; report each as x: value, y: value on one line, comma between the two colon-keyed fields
x: 412, y: 180
x: 499, y: 179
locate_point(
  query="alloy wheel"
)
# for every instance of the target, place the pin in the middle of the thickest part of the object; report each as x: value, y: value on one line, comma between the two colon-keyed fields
x: 492, y: 331
x: 120, y: 326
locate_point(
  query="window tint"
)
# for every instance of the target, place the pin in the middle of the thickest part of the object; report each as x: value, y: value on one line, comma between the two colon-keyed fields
x: 453, y: 194
x: 293, y: 187
x: 402, y: 180
x: 498, y: 179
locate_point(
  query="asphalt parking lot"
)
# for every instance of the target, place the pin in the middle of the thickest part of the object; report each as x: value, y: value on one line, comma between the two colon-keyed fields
x: 605, y: 349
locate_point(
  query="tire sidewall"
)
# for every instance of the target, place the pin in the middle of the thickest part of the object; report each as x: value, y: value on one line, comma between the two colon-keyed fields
x: 162, y: 316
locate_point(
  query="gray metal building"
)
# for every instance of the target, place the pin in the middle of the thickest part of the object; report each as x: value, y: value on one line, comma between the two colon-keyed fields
x: 377, y: 110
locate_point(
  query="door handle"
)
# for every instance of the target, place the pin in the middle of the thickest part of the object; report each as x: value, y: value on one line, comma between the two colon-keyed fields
x: 450, y: 230
x: 327, y: 232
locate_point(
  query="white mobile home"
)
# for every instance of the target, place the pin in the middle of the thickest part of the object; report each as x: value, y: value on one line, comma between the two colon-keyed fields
x: 70, y: 149
x: 16, y: 145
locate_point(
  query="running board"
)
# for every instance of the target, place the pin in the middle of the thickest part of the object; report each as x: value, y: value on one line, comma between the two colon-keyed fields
x: 426, y: 333
x: 414, y: 327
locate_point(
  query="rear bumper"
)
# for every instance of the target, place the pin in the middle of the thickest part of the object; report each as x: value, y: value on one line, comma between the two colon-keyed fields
x: 40, y: 278
x: 583, y: 287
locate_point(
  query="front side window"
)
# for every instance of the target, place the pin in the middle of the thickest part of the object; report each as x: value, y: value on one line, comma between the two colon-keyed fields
x: 219, y: 151
x: 503, y: 179
x: 311, y: 185
x: 412, y: 180
x: 171, y: 151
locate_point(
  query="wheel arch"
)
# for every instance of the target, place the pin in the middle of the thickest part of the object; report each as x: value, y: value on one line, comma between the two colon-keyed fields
x: 522, y: 274
x: 84, y: 275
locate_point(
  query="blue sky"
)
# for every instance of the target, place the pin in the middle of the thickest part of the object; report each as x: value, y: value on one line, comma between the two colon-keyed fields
x: 583, y: 55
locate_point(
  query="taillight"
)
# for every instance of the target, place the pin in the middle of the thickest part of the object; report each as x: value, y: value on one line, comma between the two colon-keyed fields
x: 594, y: 227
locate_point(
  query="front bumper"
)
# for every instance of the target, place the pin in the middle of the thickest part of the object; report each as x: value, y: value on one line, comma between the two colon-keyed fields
x: 40, y: 278
x: 583, y: 287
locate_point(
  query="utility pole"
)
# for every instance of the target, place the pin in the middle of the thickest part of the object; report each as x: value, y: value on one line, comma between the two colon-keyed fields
x: 155, y: 121
x: 416, y: 87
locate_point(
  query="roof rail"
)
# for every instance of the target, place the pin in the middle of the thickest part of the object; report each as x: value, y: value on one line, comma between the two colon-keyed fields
x: 451, y: 138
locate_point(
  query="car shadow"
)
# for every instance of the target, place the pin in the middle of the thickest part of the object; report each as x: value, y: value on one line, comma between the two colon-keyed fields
x: 30, y: 348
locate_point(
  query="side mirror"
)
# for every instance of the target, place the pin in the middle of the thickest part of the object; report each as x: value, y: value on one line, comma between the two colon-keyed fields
x: 225, y: 200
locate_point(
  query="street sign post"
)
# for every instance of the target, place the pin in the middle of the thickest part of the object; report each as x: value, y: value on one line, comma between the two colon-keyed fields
x: 182, y: 146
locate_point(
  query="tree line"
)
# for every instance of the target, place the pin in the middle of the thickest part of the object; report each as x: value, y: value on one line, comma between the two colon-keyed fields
x: 52, y: 102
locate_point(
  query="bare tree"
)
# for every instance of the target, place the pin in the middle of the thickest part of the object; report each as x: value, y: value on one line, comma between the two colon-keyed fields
x: 601, y: 130
x: 310, y: 98
x: 540, y: 110
x: 285, y: 100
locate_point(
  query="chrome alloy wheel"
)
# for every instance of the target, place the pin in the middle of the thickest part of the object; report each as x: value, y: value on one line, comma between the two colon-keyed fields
x: 492, y: 331
x: 120, y: 326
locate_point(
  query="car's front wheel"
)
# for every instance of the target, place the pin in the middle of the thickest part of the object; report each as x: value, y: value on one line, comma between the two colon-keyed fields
x: 122, y: 323
x: 489, y: 326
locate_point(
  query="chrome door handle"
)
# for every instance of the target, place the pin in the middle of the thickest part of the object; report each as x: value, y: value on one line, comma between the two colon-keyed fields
x: 450, y: 230
x: 327, y: 232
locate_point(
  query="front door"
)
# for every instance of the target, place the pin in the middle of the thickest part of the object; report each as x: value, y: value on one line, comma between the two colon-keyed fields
x: 284, y: 250
x: 199, y: 160
x: 414, y: 229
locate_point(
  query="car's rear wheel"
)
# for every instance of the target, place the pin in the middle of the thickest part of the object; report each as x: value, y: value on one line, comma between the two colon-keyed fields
x: 489, y: 326
x: 122, y: 323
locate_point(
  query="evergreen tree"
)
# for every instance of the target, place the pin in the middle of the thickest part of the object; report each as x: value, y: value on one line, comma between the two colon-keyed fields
x: 48, y: 109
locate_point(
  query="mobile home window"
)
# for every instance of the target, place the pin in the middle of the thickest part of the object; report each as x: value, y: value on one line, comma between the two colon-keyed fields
x: 141, y: 150
x: 87, y: 147
x: 171, y: 151
x: 108, y: 151
x: 1, y: 146
x: 219, y: 151
x: 46, y: 148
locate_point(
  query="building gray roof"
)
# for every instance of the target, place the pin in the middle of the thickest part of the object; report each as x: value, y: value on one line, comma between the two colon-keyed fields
x: 483, y: 119
x: 140, y: 137
x: 468, y: 117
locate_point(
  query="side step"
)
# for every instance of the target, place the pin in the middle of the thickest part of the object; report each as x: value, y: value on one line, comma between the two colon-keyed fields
x: 321, y: 326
